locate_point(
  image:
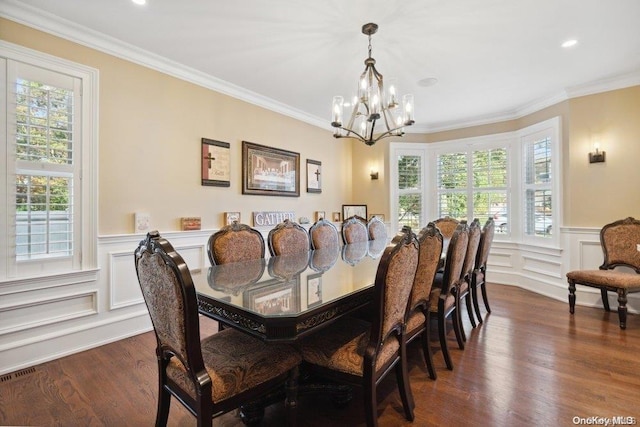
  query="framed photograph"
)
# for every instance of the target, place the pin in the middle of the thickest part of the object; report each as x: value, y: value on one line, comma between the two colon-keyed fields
x: 320, y: 215
x: 275, y: 297
x: 314, y: 176
x: 314, y: 290
x: 229, y: 217
x: 380, y: 216
x: 335, y: 217
x: 216, y: 163
x: 351, y: 210
x: 270, y: 171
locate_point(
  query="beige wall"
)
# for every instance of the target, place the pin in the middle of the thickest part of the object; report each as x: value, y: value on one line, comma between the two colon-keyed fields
x: 150, y: 126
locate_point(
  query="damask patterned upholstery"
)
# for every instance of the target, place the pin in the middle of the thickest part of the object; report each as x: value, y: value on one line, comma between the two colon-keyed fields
x: 377, y: 229
x: 447, y: 226
x: 361, y: 353
x: 235, y: 242
x: 430, y: 240
x: 445, y: 290
x: 619, y: 240
x: 323, y: 234
x: 468, y: 268
x: 231, y: 368
x: 354, y: 229
x: 288, y: 238
x: 478, y: 280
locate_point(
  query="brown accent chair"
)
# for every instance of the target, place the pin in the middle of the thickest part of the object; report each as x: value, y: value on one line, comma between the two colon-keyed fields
x: 360, y: 353
x: 479, y: 277
x: 323, y: 234
x: 468, y: 269
x: 235, y: 242
x: 619, y: 241
x: 354, y: 229
x: 443, y: 299
x: 430, y: 240
x: 377, y: 229
x: 288, y: 238
x: 447, y: 226
x: 221, y: 372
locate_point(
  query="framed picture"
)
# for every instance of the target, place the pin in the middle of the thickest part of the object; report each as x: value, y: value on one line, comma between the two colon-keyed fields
x: 320, y: 215
x: 380, y: 216
x: 314, y: 290
x: 275, y: 297
x: 314, y: 176
x: 335, y: 217
x: 351, y: 210
x: 270, y: 171
x: 216, y: 163
x: 229, y: 217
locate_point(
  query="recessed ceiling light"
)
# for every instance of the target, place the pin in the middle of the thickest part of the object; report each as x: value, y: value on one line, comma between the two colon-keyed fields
x: 570, y: 43
x: 429, y: 81
x: 140, y: 2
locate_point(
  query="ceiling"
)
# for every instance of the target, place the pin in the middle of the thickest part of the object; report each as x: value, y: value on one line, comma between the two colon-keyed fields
x: 493, y: 60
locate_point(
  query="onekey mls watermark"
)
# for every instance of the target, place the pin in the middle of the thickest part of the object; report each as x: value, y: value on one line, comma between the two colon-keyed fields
x: 604, y: 421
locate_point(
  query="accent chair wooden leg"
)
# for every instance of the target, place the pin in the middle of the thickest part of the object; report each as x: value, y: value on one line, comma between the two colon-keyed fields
x: 425, y: 339
x: 483, y: 288
x: 605, y: 299
x: 572, y: 296
x: 370, y: 403
x: 457, y: 328
x: 164, y: 397
x: 468, y: 303
x: 402, y: 378
x: 622, y: 308
x: 442, y: 334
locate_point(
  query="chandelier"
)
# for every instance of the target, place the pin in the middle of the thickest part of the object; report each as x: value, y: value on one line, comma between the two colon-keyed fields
x: 372, y: 105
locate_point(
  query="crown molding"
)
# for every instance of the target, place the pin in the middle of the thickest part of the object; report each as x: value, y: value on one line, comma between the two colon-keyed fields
x: 60, y: 27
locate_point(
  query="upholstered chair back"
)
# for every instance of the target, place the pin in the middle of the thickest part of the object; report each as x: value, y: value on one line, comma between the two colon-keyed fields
x: 619, y: 243
x: 430, y: 240
x: 394, y: 280
x: 447, y: 226
x: 456, y: 254
x: 170, y: 296
x: 235, y: 242
x: 354, y: 229
x: 377, y: 229
x: 486, y: 239
x: 472, y: 250
x: 323, y: 234
x: 288, y: 238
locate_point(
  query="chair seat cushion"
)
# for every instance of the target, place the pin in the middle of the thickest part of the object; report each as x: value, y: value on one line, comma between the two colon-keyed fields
x: 341, y: 348
x: 415, y: 323
x: 435, y: 296
x: 608, y: 278
x: 236, y: 362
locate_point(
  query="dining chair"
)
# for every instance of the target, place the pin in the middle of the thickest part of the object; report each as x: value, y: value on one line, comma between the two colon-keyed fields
x: 619, y: 241
x: 468, y: 269
x: 235, y: 242
x: 377, y: 229
x: 288, y: 238
x: 430, y: 240
x: 447, y: 226
x: 354, y: 229
x: 479, y: 278
x: 323, y: 234
x: 444, y: 292
x: 221, y: 372
x: 362, y: 353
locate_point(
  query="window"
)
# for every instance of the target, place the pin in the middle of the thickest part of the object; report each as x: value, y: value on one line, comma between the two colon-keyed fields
x: 474, y: 184
x: 409, y: 192
x: 540, y: 186
x: 49, y: 124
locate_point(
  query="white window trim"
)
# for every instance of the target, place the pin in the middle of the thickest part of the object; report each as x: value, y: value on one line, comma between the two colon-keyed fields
x: 396, y: 149
x: 89, y: 152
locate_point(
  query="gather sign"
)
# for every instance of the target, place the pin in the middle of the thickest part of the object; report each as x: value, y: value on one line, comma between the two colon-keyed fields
x: 271, y: 218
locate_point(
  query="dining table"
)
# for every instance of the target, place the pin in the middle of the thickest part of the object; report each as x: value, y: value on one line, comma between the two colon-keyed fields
x: 285, y: 298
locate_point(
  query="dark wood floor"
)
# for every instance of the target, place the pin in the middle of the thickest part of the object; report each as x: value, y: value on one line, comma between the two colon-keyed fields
x: 529, y: 364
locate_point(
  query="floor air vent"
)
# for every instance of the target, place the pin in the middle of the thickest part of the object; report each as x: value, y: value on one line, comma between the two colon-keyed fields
x: 17, y: 374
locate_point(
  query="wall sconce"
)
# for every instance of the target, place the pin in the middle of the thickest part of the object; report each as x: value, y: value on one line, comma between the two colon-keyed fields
x: 374, y: 175
x: 598, y: 156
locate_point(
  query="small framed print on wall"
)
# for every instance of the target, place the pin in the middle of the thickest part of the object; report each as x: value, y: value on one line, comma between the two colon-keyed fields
x: 351, y: 210
x: 216, y: 163
x: 229, y: 217
x: 314, y: 176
